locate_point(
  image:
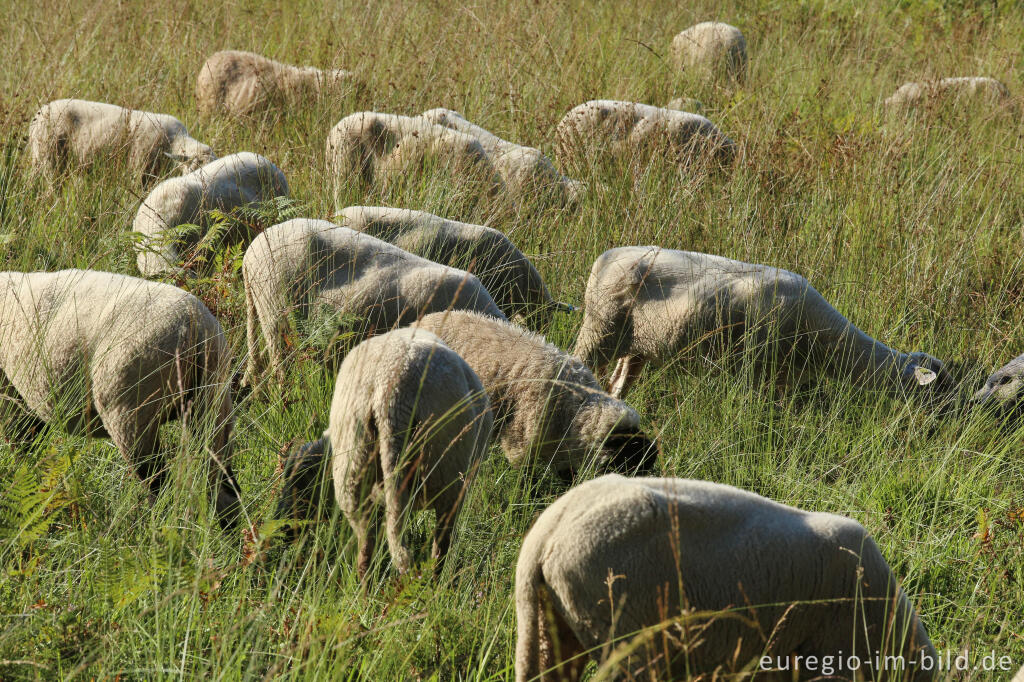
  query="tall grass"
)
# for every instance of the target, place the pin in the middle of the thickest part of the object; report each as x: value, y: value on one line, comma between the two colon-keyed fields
x: 911, y: 227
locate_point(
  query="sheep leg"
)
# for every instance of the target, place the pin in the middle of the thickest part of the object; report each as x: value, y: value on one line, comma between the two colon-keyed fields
x: 227, y: 503
x: 627, y: 370
x: 446, y: 509
x: 396, y: 501
x: 366, y: 540
x: 137, y: 436
x: 562, y: 656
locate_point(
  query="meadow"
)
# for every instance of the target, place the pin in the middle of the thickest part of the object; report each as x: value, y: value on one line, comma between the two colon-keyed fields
x: 910, y: 226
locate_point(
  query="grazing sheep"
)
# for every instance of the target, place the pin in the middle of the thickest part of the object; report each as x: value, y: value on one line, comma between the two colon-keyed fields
x: 75, y: 130
x: 711, y: 46
x: 409, y: 424
x: 119, y: 356
x: 526, y: 171
x: 548, y: 407
x: 1004, y: 389
x: 508, y: 275
x: 242, y: 83
x: 379, y: 148
x: 620, y: 128
x: 302, y: 266
x: 1019, y: 677
x: 759, y: 581
x: 225, y: 184
x: 647, y: 304
x: 949, y: 90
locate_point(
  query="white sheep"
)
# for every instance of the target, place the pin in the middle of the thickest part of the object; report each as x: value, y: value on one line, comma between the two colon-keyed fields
x: 380, y: 149
x: 302, y: 267
x: 508, y: 275
x: 686, y: 104
x: 705, y: 580
x: 648, y: 304
x: 1019, y: 677
x: 1004, y: 389
x: 410, y: 422
x: 962, y: 90
x: 527, y: 172
x: 225, y: 184
x: 242, y: 83
x: 711, y: 46
x: 622, y: 128
x: 119, y: 356
x: 77, y: 131
x: 548, y: 408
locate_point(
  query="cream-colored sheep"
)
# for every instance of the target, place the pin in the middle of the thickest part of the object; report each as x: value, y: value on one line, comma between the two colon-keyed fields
x: 686, y: 104
x: 242, y: 83
x: 1004, y: 389
x: 963, y: 90
x: 527, y: 172
x: 549, y: 410
x: 303, y: 267
x: 508, y: 275
x: 75, y: 131
x: 1019, y: 677
x: 225, y: 184
x: 648, y: 304
x: 711, y: 46
x: 119, y: 356
x: 373, y: 148
x: 410, y: 423
x: 710, y: 579
x: 622, y: 128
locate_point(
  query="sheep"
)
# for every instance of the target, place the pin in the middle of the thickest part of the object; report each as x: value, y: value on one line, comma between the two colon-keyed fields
x: 304, y: 266
x: 711, y: 46
x: 371, y: 147
x: 410, y: 422
x: 1019, y: 677
x: 949, y: 90
x: 243, y: 83
x: 705, y: 579
x: 119, y: 356
x: 548, y: 407
x: 225, y: 184
x: 686, y: 104
x: 527, y: 172
x: 506, y: 273
x: 1004, y: 389
x: 76, y: 130
x: 647, y: 304
x: 624, y: 127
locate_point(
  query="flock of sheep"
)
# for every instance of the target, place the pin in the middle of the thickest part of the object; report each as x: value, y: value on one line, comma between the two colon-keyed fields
x: 448, y: 364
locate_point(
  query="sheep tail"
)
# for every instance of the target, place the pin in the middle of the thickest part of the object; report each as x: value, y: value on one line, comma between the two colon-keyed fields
x: 252, y: 339
x: 529, y: 612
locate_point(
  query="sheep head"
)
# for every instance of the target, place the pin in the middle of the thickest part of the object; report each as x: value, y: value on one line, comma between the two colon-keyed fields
x: 303, y: 481
x: 1003, y: 391
x: 613, y: 428
x: 190, y: 155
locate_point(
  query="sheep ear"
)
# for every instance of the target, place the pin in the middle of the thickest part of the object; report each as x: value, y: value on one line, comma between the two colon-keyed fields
x: 180, y: 158
x: 924, y: 376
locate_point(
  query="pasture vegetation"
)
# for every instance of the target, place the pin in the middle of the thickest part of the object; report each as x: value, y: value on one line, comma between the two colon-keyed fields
x: 910, y: 227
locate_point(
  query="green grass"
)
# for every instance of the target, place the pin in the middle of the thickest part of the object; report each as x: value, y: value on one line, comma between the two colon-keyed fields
x: 911, y: 227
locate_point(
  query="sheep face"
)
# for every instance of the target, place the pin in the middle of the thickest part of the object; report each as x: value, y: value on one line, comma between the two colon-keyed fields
x: 192, y: 156
x: 1004, y: 389
x: 614, y: 428
x: 304, y: 481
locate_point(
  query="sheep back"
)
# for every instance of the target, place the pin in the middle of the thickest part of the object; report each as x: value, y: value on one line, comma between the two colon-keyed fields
x: 814, y: 583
